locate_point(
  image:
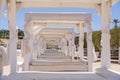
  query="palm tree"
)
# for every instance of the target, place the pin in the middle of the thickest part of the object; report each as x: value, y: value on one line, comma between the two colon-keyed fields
x: 116, y: 21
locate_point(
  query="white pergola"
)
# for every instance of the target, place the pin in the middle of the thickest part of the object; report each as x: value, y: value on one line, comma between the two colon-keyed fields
x: 55, y: 34
x: 35, y: 45
x: 36, y: 22
x: 101, y: 6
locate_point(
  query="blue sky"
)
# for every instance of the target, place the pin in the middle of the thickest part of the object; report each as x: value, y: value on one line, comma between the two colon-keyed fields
x: 96, y: 20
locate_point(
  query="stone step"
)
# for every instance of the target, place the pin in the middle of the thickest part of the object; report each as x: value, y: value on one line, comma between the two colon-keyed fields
x: 53, y: 54
x: 53, y: 57
x: 81, y: 66
x: 49, y: 63
x: 60, y: 68
x: 51, y: 51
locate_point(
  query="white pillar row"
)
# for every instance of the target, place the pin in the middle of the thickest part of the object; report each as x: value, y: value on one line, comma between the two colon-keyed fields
x: 105, y: 39
x: 11, y: 6
x: 89, y: 45
x: 81, y: 40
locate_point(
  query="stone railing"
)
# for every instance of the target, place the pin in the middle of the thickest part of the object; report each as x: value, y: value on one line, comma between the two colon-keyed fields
x: 115, y: 55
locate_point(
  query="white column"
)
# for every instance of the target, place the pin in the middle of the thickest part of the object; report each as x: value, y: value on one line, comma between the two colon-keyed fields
x: 1, y: 62
x: 1, y: 7
x: 73, y: 44
x: 119, y: 55
x: 69, y: 45
x: 81, y: 41
x: 35, y: 46
x: 40, y: 46
x: 11, y: 6
x: 70, y: 50
x: 62, y: 46
x: 94, y: 54
x: 27, y: 45
x: 26, y: 62
x: 105, y: 53
x: 39, y: 52
x: 89, y: 45
x: 35, y: 31
x: 44, y: 46
x: 65, y: 47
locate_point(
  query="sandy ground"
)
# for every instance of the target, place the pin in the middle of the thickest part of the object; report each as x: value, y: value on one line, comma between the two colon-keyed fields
x: 114, y: 66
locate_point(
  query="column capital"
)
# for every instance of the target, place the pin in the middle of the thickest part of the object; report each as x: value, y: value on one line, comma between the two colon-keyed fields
x: 27, y: 32
x: 98, y: 9
x: 87, y: 21
x: 67, y: 36
x: 18, y: 5
x: 89, y: 27
x: 109, y: 2
x: 36, y: 28
x: 80, y: 24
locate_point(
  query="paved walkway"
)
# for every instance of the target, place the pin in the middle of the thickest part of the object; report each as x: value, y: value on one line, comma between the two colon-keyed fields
x: 58, y: 75
x: 53, y: 76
